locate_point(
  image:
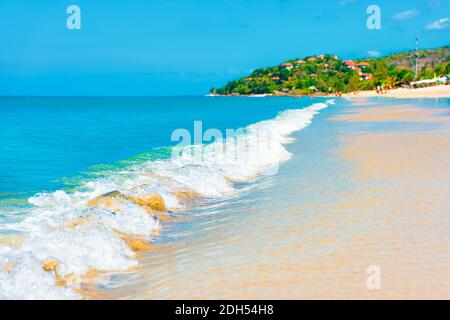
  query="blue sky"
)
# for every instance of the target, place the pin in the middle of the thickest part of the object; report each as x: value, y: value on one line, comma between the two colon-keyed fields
x: 185, y: 47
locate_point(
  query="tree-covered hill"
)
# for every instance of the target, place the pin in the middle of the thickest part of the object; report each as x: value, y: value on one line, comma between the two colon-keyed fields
x: 329, y: 74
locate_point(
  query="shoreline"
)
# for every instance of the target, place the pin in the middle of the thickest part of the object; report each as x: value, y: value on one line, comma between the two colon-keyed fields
x: 376, y: 183
x: 377, y: 199
x: 440, y: 91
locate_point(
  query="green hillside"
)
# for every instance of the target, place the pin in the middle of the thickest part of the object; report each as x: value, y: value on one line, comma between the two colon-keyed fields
x: 329, y: 74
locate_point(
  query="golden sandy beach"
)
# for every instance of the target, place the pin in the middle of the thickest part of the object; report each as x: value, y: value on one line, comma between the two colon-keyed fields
x: 441, y: 91
x: 399, y: 206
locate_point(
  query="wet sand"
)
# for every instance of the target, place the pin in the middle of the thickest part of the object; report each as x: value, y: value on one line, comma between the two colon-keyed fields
x: 397, y: 113
x: 402, y: 181
x: 403, y: 187
x: 379, y: 198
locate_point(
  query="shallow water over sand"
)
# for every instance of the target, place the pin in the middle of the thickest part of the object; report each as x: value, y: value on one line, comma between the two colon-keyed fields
x: 371, y: 192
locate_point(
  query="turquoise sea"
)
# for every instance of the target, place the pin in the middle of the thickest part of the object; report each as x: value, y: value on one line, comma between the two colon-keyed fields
x: 51, y: 143
x: 57, y: 155
x: 83, y: 179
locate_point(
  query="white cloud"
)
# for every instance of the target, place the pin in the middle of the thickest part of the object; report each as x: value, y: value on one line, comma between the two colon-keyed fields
x: 405, y: 15
x: 373, y: 53
x: 440, y: 24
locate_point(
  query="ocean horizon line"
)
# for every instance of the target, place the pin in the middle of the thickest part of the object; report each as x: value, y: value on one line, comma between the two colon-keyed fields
x: 100, y: 96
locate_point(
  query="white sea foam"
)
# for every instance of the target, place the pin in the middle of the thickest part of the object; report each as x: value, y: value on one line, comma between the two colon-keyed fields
x: 28, y: 281
x: 96, y: 244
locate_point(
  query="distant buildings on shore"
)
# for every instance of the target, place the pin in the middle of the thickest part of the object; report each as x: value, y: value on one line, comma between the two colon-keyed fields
x: 358, y: 67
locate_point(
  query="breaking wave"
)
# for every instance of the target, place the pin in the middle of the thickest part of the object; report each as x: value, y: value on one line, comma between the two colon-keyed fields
x: 68, y: 238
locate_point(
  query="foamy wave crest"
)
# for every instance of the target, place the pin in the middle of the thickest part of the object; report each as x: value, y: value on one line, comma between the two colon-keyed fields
x: 66, y: 238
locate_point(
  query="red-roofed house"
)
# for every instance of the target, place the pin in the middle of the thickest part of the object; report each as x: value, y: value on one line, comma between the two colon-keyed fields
x: 363, y: 64
x: 357, y: 70
x: 349, y: 63
x: 286, y: 65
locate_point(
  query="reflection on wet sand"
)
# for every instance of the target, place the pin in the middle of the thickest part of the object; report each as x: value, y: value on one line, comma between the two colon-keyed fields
x: 402, y: 181
x: 392, y: 213
x: 401, y: 113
